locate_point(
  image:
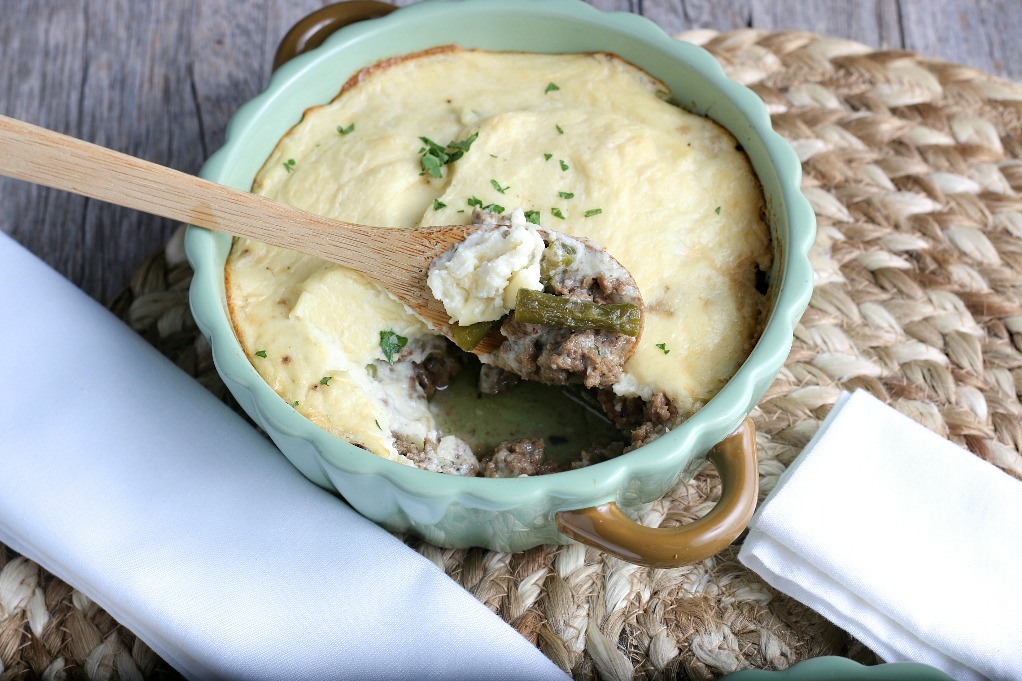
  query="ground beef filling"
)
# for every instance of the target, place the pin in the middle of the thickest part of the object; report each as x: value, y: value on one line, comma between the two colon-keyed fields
x: 645, y: 421
x: 516, y: 458
x: 639, y: 421
x: 437, y: 370
x: 556, y: 355
x: 548, y: 354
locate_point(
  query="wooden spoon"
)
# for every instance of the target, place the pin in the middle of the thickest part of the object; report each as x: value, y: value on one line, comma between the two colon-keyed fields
x: 396, y: 259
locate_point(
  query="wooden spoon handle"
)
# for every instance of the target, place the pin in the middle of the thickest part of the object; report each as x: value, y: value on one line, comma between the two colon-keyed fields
x: 34, y: 154
x: 397, y: 259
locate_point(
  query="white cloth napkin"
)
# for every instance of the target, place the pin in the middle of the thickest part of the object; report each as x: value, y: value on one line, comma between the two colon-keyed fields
x: 124, y: 477
x: 901, y: 538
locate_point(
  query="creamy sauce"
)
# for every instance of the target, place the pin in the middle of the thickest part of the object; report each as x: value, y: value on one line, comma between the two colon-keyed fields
x: 562, y: 416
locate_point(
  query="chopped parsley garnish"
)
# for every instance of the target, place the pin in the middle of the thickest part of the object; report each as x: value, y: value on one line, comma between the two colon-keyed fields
x: 566, y: 195
x: 438, y: 204
x: 478, y: 203
x: 435, y: 156
x: 560, y: 130
x: 551, y: 87
x: 462, y: 146
x: 290, y: 165
x: 345, y: 131
x: 260, y: 353
x: 663, y: 348
x: 496, y: 185
x: 532, y: 216
x: 377, y: 422
x: 325, y: 380
x: 371, y: 370
x: 593, y: 211
x: 717, y: 211
x: 564, y: 166
x: 294, y: 405
x: 556, y: 212
x: 391, y: 344
x: 547, y: 157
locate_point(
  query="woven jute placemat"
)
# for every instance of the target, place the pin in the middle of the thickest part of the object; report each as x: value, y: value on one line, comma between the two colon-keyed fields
x: 913, y: 167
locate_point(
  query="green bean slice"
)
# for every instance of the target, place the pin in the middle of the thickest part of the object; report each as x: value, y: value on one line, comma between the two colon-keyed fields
x: 557, y: 257
x: 536, y: 307
x: 467, y: 337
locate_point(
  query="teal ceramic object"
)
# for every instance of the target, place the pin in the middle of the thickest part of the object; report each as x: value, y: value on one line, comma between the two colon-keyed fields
x: 841, y: 669
x: 504, y: 514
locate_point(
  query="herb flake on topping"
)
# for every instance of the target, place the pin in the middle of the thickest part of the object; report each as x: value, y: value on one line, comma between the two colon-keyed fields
x: 391, y: 344
x: 593, y: 211
x: 560, y: 130
x: 532, y: 216
x: 564, y: 166
x: 663, y: 348
x: 462, y: 146
x: 493, y: 208
x: 260, y: 353
x: 345, y: 131
x: 377, y: 422
x: 556, y: 212
x: 438, y: 204
x: 325, y: 380
x: 496, y: 185
x: 473, y: 201
x: 289, y: 165
x: 371, y: 370
x: 435, y: 156
x: 547, y: 157
x: 294, y: 405
x: 551, y: 87
x: 566, y: 195
x: 717, y: 211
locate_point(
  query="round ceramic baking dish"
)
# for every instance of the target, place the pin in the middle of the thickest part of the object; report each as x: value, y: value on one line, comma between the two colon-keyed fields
x: 590, y: 504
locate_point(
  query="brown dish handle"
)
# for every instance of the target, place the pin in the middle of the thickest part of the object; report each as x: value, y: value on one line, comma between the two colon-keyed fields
x: 608, y: 529
x: 311, y: 31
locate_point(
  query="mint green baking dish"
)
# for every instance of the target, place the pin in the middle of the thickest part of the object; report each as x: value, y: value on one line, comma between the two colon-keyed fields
x: 515, y: 514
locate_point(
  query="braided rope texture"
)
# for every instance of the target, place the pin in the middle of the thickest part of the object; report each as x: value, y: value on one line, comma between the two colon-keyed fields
x: 913, y: 167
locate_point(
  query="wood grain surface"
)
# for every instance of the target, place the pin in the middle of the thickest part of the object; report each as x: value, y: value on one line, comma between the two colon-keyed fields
x: 159, y: 79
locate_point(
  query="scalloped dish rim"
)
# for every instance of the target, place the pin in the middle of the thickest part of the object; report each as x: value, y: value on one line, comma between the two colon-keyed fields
x: 605, y: 481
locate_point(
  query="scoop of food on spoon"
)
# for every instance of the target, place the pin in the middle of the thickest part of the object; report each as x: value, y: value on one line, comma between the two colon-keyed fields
x: 568, y: 296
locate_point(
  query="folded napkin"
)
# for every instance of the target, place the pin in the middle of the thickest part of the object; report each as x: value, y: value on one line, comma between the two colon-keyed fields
x: 122, y: 476
x: 902, y: 539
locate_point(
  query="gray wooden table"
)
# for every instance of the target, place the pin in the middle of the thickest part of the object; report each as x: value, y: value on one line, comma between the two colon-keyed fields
x: 159, y: 79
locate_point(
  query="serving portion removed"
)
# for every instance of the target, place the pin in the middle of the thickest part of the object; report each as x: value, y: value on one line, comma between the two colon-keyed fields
x: 584, y: 144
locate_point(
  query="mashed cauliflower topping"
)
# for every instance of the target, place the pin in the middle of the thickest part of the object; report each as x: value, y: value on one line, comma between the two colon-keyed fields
x: 585, y: 144
x: 479, y: 280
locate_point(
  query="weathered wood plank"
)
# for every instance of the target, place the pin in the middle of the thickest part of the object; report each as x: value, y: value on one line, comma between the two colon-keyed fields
x: 873, y: 22
x: 44, y: 56
x: 227, y: 63
x: 684, y: 15
x: 160, y: 78
x: 984, y: 34
x: 147, y: 111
